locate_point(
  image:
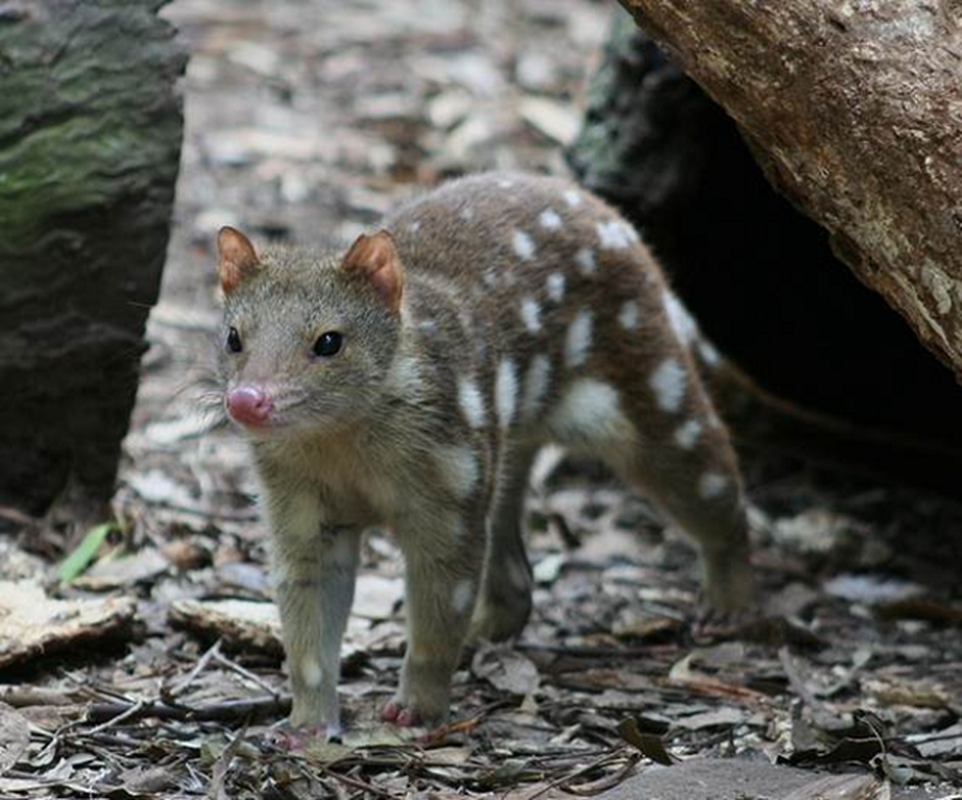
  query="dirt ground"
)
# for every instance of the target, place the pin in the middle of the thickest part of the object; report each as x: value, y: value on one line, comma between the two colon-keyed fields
x: 306, y: 120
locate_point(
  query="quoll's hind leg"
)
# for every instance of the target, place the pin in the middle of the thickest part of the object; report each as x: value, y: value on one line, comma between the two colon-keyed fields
x: 504, y: 603
x: 690, y: 471
x: 659, y: 433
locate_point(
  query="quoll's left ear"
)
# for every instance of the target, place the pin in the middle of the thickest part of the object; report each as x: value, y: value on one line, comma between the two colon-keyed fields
x: 236, y: 258
x: 375, y: 258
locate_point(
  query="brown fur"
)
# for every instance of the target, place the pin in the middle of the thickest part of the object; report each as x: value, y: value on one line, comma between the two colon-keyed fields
x: 406, y: 427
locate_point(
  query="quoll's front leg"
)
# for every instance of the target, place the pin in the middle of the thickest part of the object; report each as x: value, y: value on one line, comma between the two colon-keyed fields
x: 443, y: 554
x: 314, y: 577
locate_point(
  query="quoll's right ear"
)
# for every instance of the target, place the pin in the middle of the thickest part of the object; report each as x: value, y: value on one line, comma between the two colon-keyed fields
x: 236, y: 258
x: 376, y: 260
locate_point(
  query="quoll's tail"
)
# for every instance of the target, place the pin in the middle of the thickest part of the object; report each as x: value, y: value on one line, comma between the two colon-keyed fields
x: 758, y: 418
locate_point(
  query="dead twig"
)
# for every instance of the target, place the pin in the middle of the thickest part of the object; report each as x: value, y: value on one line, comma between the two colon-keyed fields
x: 132, y: 711
x: 14, y: 515
x: 222, y: 766
x: 233, y: 666
x: 199, y: 667
x: 607, y: 783
x: 227, y: 711
x: 25, y: 696
x: 588, y: 768
x: 355, y: 783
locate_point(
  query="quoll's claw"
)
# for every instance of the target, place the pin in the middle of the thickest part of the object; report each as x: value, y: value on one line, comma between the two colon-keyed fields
x: 390, y: 711
x: 408, y: 718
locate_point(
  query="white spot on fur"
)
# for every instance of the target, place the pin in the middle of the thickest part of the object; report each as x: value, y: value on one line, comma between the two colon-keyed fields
x: 414, y: 227
x: 669, y: 380
x: 590, y: 411
x: 708, y: 353
x: 712, y: 484
x: 506, y: 392
x: 535, y: 386
x: 615, y: 234
x: 489, y: 278
x: 549, y: 219
x: 531, y: 314
x: 682, y: 323
x: 467, y: 213
x: 585, y: 259
x: 556, y: 286
x: 628, y: 316
x: 462, y: 596
x: 572, y: 198
x: 523, y: 245
x: 578, y: 339
x: 505, y: 183
x: 472, y: 403
x: 311, y: 673
x: 688, y: 434
x: 459, y: 468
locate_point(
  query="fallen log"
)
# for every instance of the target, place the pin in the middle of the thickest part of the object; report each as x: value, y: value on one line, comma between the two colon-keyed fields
x: 854, y: 112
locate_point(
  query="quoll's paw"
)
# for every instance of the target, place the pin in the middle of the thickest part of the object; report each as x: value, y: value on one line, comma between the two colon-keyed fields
x: 729, y: 587
x: 409, y: 711
x: 724, y: 621
x: 297, y: 737
x: 395, y: 711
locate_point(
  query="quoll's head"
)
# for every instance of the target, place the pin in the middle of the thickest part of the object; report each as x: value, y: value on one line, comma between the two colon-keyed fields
x: 307, y: 339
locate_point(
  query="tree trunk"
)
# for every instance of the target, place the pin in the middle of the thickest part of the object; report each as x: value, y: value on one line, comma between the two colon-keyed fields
x: 854, y: 111
x: 90, y: 134
x: 760, y: 276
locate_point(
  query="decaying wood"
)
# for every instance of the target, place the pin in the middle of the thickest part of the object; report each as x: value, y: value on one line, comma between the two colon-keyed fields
x: 90, y: 133
x: 33, y: 624
x: 854, y: 111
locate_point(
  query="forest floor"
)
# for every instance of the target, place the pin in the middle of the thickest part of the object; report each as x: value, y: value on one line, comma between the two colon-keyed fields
x: 158, y: 672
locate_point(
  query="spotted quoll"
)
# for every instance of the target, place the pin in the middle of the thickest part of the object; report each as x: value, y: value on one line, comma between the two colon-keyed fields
x: 409, y: 383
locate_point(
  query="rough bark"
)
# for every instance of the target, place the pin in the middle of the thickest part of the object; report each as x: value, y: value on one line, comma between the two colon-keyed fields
x: 760, y: 276
x: 854, y: 111
x: 90, y: 132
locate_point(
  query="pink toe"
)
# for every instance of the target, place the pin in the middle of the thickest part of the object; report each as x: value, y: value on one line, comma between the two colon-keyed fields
x: 408, y: 718
x: 390, y: 711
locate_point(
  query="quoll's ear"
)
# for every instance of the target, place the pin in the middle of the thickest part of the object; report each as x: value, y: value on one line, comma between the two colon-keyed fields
x: 236, y: 258
x: 375, y: 258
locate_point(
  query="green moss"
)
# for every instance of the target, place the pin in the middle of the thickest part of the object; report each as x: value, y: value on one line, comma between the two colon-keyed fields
x: 86, y: 115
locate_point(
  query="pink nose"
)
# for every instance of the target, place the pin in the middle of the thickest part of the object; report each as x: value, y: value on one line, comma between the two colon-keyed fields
x: 249, y: 405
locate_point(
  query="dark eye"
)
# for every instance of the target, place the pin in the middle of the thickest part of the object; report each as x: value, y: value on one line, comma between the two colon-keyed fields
x: 328, y: 344
x: 234, y: 341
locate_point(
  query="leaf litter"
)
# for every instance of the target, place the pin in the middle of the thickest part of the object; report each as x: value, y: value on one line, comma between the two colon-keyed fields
x: 151, y: 667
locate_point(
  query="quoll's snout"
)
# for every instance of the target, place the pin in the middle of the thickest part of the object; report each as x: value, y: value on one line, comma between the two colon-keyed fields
x: 249, y: 405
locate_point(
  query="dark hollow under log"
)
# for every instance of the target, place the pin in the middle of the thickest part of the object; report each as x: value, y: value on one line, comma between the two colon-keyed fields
x: 90, y: 133
x: 760, y: 276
